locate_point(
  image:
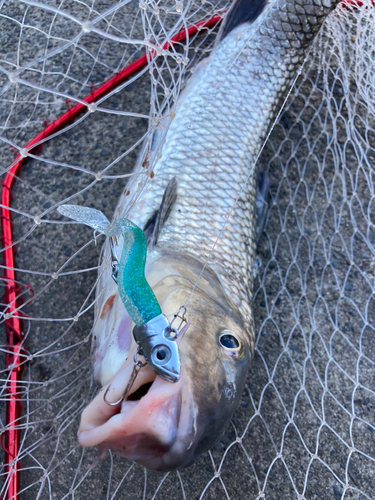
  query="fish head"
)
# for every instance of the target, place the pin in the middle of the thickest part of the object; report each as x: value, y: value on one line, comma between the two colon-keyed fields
x: 164, y: 425
x: 215, y: 355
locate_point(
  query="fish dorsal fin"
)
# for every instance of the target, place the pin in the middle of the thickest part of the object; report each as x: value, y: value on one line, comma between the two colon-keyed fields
x: 157, y: 220
x: 240, y: 12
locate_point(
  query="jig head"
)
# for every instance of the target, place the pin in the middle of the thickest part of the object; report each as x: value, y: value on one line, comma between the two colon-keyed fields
x: 159, y: 346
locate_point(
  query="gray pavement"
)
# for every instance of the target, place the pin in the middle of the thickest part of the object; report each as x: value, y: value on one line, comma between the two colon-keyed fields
x: 311, y: 380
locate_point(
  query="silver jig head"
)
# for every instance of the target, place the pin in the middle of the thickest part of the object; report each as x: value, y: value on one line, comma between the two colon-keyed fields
x: 159, y: 347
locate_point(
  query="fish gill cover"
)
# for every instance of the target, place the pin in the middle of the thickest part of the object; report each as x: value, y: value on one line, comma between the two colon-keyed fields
x: 305, y: 425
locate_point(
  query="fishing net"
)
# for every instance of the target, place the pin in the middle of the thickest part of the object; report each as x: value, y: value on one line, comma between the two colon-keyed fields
x: 305, y: 424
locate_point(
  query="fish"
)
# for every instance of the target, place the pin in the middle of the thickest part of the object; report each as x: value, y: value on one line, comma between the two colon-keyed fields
x: 198, y: 213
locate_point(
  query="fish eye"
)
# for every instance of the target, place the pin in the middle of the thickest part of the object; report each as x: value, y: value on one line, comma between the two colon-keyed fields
x: 229, y: 341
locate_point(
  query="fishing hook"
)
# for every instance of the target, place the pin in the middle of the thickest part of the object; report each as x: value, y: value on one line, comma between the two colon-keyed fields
x: 137, y: 366
x: 114, y: 259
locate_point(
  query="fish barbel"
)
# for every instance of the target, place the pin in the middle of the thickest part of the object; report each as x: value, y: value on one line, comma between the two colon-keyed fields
x: 201, y: 252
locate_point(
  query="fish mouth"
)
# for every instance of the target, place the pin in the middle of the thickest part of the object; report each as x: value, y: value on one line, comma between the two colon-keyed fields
x: 147, y: 427
x: 141, y: 385
x: 140, y: 392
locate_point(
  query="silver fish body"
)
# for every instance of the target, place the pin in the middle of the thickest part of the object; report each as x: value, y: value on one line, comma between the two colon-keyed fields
x: 211, y: 146
x: 213, y: 143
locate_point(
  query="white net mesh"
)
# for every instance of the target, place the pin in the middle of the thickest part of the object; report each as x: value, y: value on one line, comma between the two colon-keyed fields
x: 305, y: 426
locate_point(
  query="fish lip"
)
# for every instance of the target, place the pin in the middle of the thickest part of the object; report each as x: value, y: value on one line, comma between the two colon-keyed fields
x: 156, y: 431
x: 131, y: 417
x: 179, y: 445
x: 157, y: 387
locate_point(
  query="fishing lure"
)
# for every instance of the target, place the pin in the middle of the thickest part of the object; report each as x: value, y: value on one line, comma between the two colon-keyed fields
x: 153, y: 332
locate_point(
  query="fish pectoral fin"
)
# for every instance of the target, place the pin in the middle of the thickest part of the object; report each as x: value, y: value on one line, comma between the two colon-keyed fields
x: 240, y: 12
x: 157, y: 220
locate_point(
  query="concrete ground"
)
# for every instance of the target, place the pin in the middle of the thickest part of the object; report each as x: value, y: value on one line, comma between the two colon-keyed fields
x: 305, y: 424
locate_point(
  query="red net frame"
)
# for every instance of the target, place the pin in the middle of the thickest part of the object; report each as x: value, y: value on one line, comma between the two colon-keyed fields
x: 14, y: 362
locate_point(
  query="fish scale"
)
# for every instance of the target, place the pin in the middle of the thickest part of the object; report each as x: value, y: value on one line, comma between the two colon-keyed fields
x: 213, y: 142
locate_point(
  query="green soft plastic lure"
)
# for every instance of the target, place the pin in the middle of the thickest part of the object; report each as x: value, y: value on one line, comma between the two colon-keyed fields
x: 135, y: 292
x: 152, y: 331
